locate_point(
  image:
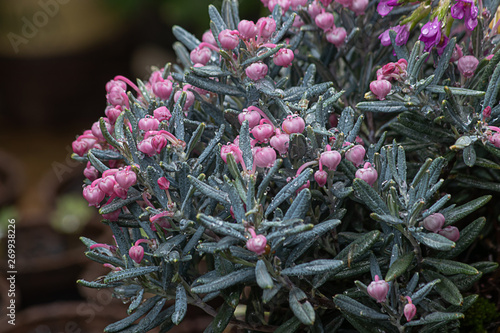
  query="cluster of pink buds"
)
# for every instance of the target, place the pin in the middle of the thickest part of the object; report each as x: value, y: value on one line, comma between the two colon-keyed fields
x: 117, y: 93
x: 325, y: 21
x: 367, y: 173
x: 155, y: 141
x: 393, y: 70
x: 113, y: 183
x: 257, y: 243
x: 435, y: 223
x: 378, y: 289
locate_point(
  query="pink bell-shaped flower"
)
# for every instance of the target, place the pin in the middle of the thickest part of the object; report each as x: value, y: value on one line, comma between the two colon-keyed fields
x: 149, y: 123
x: 126, y: 178
x: 230, y: 148
x: 450, y: 232
x: 380, y: 88
x: 163, y: 89
x: 263, y: 131
x: 356, y: 155
x: 247, y: 29
x: 257, y: 243
x: 264, y: 157
x: 256, y: 71
x: 330, y: 158
x: 280, y: 142
x: 336, y: 36
x: 378, y: 289
x: 324, y: 20
x: 434, y: 222
x: 107, y: 184
x: 321, y: 177
x: 410, y: 310
x: 229, y: 39
x: 200, y: 55
x: 90, y: 172
x: 163, y: 183
x: 293, y: 124
x: 209, y: 38
x: 367, y: 173
x: 162, y: 113
x: 136, y: 252
x: 467, y: 65
x: 112, y: 113
x: 252, y: 116
x: 283, y: 57
x: 93, y: 194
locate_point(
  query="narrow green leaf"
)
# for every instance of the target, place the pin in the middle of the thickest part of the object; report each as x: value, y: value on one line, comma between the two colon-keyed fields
x: 450, y: 267
x: 383, y: 106
x: 264, y: 279
x: 219, y: 226
x: 299, y: 206
x: 420, y: 294
x: 237, y: 277
x: 223, y: 317
x: 289, y: 326
x: 455, y: 91
x: 351, y: 306
x: 313, y: 267
x: 436, y: 317
x: 435, y: 241
x: 467, y: 236
x: 446, y: 288
x: 130, y: 273
x: 180, y: 304
x: 399, y: 267
x: 126, y: 322
x: 444, y: 60
x: 458, y: 213
x: 369, y: 197
x: 301, y: 307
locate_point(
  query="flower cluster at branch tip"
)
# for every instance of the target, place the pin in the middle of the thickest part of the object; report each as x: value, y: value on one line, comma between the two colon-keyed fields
x: 435, y: 223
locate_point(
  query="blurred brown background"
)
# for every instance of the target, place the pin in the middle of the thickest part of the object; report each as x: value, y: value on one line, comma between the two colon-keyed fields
x: 55, y: 59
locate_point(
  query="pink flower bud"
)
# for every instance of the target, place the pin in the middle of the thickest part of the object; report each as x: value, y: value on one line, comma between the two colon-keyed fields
x: 163, y: 89
x: 263, y: 131
x: 156, y: 76
x: 434, y: 222
x: 264, y: 157
x: 247, y: 29
x: 158, y: 142
x: 487, y: 112
x: 126, y: 178
x: 146, y: 147
x: 410, y: 310
x: 256, y: 71
x: 107, y: 184
x: 253, y: 118
x: 314, y: 9
x: 495, y: 140
x: 320, y: 177
x: 378, y: 289
x: 93, y: 195
x: 90, y: 172
x: 457, y: 53
x: 149, y: 124
x: 162, y: 113
x: 209, y: 38
x: 265, y: 27
x: 336, y: 36
x: 80, y: 147
x: 113, y: 216
x: 230, y: 148
x: 117, y: 96
x: 298, y: 22
x: 189, y: 97
x: 283, y: 57
x: 96, y: 129
x: 380, y: 88
x: 115, y: 83
x: 368, y: 174
x: 450, y: 232
x: 136, y: 252
x: 120, y: 191
x: 163, y: 183
x: 293, y: 124
x: 229, y: 39
x: 280, y: 142
x: 324, y: 20
x: 113, y: 113
x: 200, y: 55
x: 330, y: 158
x: 356, y: 155
x: 467, y: 65
x: 359, y: 6
x: 257, y: 243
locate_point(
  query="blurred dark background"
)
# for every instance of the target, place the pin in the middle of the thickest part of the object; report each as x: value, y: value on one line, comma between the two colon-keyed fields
x: 55, y: 59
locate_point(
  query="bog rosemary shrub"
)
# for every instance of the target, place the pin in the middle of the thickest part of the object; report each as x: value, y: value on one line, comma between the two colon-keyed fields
x: 294, y: 170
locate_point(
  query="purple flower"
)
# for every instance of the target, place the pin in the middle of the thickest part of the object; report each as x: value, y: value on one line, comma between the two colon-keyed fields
x: 402, y: 35
x: 384, y: 7
x: 431, y: 34
x: 467, y: 10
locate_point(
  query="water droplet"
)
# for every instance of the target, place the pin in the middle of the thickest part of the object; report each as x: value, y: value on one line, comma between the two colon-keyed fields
x: 425, y: 31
